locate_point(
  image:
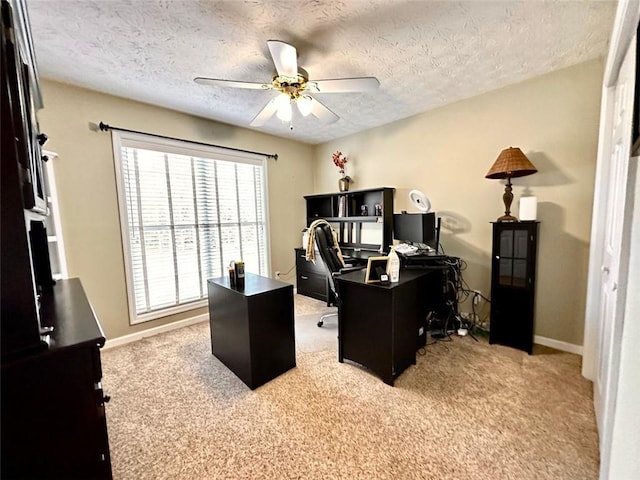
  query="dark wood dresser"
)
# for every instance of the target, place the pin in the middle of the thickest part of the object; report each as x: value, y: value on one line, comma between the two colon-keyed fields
x: 53, y: 415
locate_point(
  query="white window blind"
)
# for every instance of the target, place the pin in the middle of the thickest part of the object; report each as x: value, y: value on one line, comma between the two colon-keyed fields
x: 187, y: 211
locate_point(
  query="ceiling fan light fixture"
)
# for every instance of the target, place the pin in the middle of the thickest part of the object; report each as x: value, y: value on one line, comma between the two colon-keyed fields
x: 284, y: 111
x: 305, y: 104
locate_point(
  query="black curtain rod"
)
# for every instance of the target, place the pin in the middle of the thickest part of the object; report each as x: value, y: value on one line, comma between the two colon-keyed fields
x: 104, y: 127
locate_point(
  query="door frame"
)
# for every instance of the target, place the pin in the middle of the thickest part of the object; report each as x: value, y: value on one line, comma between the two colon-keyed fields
x: 624, y: 31
x: 627, y: 17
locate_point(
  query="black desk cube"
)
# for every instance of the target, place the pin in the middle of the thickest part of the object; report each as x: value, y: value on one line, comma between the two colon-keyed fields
x: 252, y: 330
x: 379, y: 325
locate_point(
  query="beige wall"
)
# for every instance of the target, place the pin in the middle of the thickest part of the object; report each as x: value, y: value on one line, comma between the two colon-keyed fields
x: 447, y: 152
x: 85, y: 179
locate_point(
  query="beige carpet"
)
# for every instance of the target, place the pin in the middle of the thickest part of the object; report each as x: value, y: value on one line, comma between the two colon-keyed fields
x: 467, y: 410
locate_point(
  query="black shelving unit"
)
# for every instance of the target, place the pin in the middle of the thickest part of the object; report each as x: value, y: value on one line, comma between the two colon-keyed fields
x: 350, y: 216
x: 346, y: 210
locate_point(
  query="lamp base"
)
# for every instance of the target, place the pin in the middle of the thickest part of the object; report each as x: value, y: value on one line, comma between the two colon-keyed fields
x: 507, y: 198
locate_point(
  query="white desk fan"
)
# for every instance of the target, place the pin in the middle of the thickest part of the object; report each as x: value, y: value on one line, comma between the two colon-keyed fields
x: 420, y: 201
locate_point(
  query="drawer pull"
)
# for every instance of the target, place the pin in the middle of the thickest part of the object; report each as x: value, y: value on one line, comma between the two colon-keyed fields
x: 303, y: 277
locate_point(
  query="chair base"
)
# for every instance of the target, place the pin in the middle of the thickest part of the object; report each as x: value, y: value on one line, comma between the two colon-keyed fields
x: 327, y: 315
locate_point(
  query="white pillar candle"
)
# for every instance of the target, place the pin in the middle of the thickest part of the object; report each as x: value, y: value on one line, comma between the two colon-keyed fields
x: 528, y: 208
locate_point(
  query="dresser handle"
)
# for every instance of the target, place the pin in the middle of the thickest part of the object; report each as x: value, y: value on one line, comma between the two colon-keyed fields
x: 303, y: 277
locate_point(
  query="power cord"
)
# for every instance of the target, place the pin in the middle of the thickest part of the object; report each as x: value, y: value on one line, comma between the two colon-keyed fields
x: 462, y: 292
x: 279, y: 274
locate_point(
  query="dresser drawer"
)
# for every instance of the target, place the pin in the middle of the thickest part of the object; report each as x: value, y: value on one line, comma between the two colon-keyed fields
x: 302, y: 265
x: 312, y: 285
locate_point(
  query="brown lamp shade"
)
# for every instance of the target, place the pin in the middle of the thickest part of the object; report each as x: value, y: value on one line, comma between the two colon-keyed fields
x: 511, y: 163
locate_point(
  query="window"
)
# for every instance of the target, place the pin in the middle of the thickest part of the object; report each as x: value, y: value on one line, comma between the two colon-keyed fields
x: 186, y: 211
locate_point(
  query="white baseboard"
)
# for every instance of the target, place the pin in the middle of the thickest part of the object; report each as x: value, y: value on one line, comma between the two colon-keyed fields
x: 558, y: 345
x: 134, y: 337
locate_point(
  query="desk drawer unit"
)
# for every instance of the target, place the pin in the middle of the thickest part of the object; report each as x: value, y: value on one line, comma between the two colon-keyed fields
x: 252, y: 329
x: 311, y: 279
x: 377, y: 325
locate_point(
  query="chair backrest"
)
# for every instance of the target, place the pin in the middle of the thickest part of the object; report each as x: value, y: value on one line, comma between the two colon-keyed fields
x: 328, y: 251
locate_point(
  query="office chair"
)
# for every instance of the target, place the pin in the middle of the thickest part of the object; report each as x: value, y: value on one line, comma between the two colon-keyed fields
x: 328, y: 249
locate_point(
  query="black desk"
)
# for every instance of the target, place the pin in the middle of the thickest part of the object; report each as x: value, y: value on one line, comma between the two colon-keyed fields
x: 311, y: 278
x: 358, y: 257
x: 252, y: 329
x: 442, y: 298
x: 422, y: 260
x: 379, y: 326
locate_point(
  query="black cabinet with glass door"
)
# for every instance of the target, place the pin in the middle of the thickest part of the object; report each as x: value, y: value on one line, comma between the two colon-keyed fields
x: 513, y: 280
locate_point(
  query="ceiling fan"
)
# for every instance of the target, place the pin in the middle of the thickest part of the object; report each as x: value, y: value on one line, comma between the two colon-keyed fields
x: 295, y: 87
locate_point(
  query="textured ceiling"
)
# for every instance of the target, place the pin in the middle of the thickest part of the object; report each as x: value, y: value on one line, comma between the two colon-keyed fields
x: 425, y: 53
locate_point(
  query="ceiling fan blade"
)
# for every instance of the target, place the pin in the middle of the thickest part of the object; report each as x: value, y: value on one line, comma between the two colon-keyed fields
x: 231, y: 83
x: 285, y: 58
x: 265, y: 114
x: 321, y: 112
x: 343, y: 85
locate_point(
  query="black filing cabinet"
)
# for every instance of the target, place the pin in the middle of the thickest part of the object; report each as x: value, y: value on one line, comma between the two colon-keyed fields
x: 252, y: 330
x: 311, y: 279
x: 513, y: 281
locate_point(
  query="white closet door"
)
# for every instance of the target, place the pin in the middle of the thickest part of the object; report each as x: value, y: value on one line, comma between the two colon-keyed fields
x: 614, y: 174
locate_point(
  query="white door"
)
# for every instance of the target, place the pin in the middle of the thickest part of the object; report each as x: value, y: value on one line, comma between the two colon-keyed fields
x: 611, y: 312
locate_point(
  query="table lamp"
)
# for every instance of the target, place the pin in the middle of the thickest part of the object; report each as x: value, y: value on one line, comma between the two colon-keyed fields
x: 510, y: 163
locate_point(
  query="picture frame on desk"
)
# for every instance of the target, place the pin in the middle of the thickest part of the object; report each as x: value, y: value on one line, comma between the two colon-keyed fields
x: 376, y: 267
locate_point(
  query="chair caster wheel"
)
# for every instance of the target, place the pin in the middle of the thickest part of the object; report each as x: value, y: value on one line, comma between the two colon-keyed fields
x: 320, y: 323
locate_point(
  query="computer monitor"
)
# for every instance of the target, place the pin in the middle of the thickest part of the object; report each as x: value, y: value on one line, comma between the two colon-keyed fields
x: 416, y: 228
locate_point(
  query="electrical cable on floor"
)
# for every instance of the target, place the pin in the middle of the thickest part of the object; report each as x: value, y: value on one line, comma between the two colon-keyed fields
x: 463, y: 292
x: 457, y: 291
x: 444, y: 335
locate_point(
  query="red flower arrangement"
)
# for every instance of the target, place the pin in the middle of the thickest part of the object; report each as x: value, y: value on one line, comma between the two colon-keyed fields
x: 339, y: 160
